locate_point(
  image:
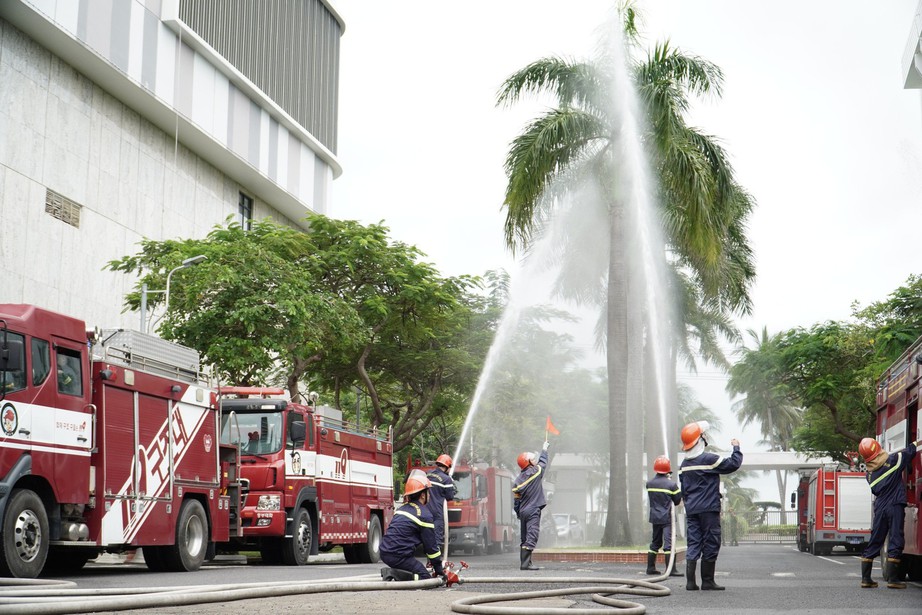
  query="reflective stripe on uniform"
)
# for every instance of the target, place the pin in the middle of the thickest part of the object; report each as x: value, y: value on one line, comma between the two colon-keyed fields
x: 415, y: 519
x: 664, y: 491
x: 530, y: 478
x: 696, y: 468
x: 896, y: 467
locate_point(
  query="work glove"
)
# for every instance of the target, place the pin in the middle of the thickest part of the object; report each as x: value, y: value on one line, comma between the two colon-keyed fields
x: 546, y: 444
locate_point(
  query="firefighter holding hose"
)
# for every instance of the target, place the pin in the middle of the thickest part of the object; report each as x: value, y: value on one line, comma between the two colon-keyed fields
x: 885, y: 476
x: 441, y: 489
x: 412, y: 525
x: 663, y: 494
x: 700, y: 478
x: 528, y: 501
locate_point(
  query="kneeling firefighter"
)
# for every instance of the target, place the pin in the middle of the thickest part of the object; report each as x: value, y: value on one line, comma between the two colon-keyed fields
x: 411, y: 526
x: 699, y: 476
x: 885, y: 476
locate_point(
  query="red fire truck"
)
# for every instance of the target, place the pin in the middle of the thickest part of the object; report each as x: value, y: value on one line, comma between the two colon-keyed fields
x: 310, y: 480
x: 481, y: 518
x: 899, y: 422
x: 833, y: 509
x: 109, y: 443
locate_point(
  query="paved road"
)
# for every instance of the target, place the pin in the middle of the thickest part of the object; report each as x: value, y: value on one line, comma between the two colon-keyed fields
x: 760, y: 579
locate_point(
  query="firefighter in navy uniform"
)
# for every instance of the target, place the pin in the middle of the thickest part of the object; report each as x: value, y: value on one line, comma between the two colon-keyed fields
x: 885, y: 476
x: 441, y: 489
x: 528, y: 501
x: 663, y: 494
x: 412, y: 525
x: 699, y: 476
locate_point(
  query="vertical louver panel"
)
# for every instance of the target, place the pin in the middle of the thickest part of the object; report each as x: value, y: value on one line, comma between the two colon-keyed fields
x: 288, y: 48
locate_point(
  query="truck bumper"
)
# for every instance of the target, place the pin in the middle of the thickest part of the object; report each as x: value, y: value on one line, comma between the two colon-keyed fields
x: 263, y: 522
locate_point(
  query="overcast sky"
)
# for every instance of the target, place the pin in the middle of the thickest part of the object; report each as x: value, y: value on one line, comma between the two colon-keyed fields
x: 814, y: 115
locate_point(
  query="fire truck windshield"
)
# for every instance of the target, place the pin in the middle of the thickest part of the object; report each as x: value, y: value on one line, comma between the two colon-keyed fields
x: 462, y: 482
x: 257, y: 433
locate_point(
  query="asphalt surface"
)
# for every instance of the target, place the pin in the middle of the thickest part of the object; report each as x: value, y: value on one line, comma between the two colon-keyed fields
x: 759, y: 579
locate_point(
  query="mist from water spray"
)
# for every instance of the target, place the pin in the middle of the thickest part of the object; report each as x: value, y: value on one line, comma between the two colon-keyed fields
x: 632, y: 175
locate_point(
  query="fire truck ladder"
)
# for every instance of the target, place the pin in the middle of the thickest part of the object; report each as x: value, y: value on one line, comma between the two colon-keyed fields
x: 829, y: 498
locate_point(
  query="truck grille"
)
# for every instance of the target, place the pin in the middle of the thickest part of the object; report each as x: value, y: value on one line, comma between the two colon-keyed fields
x: 454, y: 516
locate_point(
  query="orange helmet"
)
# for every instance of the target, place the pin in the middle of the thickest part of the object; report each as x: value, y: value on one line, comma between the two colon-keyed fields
x: 661, y: 465
x: 869, y: 448
x: 416, y: 482
x: 525, y: 459
x: 444, y: 459
x: 692, y: 432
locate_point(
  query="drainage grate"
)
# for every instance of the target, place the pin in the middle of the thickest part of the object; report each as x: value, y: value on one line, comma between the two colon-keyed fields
x: 62, y: 208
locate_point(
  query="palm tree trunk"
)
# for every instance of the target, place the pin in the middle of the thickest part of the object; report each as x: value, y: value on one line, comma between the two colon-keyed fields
x: 617, y: 525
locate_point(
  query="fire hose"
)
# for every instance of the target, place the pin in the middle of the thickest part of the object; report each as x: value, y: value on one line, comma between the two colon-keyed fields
x: 50, y: 597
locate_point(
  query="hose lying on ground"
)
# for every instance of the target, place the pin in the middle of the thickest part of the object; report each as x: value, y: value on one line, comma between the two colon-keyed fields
x: 50, y: 597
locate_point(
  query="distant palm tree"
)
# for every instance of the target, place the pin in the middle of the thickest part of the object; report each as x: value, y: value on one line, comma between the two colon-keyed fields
x: 702, y: 208
x: 767, y: 400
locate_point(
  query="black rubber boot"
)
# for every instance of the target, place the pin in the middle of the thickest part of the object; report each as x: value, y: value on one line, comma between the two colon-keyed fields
x: 674, y: 571
x: 651, y: 564
x: 395, y: 574
x: 866, y: 580
x: 691, y: 569
x: 707, y: 576
x: 526, y: 560
x: 897, y: 577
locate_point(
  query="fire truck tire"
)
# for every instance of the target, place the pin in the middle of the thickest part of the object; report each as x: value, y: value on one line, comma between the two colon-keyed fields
x: 153, y: 557
x: 25, y: 536
x: 187, y: 553
x: 481, y: 547
x: 64, y: 559
x: 370, y: 552
x: 297, y: 549
x: 352, y: 553
x: 270, y: 551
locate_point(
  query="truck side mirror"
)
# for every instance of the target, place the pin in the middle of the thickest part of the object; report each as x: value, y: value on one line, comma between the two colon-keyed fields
x: 793, y: 499
x: 11, y: 356
x: 297, y: 432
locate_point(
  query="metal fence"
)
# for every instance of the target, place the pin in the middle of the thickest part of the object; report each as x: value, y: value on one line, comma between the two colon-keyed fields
x: 758, y: 526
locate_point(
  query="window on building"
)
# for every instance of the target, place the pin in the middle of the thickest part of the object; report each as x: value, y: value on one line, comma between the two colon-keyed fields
x: 246, y: 211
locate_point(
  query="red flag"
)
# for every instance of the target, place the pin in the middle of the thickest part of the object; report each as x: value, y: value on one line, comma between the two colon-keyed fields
x: 549, y: 427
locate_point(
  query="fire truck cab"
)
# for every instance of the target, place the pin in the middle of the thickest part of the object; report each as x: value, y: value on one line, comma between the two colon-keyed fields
x: 310, y: 480
x: 108, y: 442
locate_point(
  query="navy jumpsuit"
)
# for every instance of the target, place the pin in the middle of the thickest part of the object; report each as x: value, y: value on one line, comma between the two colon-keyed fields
x: 663, y: 494
x: 889, y: 504
x: 441, y: 488
x: 528, y: 500
x: 411, y: 525
x: 700, y: 479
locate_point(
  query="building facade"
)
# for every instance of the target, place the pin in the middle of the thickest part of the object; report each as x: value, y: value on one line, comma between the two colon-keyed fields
x: 122, y: 120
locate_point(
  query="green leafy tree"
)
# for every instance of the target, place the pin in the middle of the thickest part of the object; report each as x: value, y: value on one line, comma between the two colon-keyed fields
x: 338, y: 306
x: 703, y: 209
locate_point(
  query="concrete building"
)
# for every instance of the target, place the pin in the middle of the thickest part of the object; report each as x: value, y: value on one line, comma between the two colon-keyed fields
x: 129, y: 119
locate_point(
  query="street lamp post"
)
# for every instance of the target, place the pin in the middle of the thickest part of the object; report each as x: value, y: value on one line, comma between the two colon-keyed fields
x: 189, y: 262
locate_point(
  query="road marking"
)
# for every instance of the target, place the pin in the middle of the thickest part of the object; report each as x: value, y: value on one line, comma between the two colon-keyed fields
x: 783, y: 574
x: 830, y: 560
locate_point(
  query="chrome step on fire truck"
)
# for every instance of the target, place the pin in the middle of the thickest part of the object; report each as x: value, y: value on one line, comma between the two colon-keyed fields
x: 109, y: 441
x: 310, y: 480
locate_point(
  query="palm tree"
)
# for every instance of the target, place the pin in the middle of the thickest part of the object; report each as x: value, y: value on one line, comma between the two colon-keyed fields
x: 766, y: 401
x: 702, y: 209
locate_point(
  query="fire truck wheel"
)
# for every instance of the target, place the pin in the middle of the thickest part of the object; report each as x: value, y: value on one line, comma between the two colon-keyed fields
x: 64, y: 559
x: 188, y: 552
x: 25, y: 536
x: 153, y: 557
x: 370, y: 552
x: 297, y: 549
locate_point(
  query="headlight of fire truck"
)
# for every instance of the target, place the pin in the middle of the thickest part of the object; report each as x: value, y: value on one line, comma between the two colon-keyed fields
x: 269, y: 502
